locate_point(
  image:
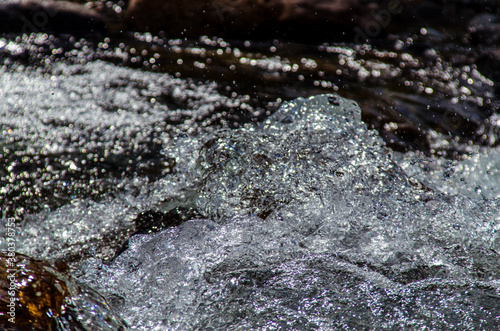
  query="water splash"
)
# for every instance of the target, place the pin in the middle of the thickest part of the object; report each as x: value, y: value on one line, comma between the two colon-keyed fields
x: 315, y: 227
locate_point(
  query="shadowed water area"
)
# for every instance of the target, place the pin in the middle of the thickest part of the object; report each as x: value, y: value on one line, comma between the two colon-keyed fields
x: 344, y: 181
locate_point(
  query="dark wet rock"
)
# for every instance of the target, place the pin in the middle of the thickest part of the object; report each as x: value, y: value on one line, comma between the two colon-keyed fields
x: 33, y: 16
x: 299, y: 18
x: 46, y: 297
x: 443, y: 13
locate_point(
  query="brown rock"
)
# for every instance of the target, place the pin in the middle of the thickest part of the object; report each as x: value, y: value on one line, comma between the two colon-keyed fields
x: 28, y: 16
x: 37, y: 287
x: 243, y: 18
x: 37, y: 295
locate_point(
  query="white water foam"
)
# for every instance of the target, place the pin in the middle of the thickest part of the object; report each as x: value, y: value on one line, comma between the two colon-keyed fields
x: 310, y: 225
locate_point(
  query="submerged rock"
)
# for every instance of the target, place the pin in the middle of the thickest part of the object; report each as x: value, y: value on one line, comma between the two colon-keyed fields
x: 309, y: 225
x: 42, y: 296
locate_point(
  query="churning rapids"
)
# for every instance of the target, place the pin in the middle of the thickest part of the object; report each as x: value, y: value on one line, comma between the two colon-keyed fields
x: 311, y: 225
x: 305, y: 221
x: 152, y: 183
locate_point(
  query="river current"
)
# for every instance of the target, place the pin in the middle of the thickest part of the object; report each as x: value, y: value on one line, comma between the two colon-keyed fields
x: 212, y: 184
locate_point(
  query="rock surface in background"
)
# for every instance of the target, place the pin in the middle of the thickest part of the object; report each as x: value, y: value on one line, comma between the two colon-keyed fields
x: 33, y: 16
x: 296, y: 18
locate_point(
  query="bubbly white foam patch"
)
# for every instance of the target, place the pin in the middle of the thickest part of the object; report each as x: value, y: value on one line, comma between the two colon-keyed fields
x: 81, y: 107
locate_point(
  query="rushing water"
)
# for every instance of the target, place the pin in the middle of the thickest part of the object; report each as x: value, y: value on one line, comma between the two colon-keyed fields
x: 312, y: 226
x: 406, y: 96
x: 162, y: 172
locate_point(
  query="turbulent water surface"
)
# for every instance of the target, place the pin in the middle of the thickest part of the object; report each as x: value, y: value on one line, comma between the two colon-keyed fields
x: 305, y: 221
x: 240, y: 184
x: 312, y: 226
